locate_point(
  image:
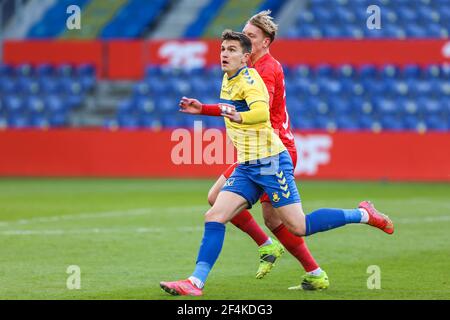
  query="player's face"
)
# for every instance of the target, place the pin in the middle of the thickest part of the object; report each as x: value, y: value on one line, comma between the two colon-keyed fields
x: 259, y: 41
x: 232, y: 57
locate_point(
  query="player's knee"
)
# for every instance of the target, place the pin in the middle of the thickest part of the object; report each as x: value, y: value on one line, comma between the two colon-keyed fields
x: 271, y: 223
x: 213, y: 215
x: 297, y: 229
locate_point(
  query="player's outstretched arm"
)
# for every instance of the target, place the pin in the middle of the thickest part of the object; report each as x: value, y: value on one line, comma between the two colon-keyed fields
x: 191, y: 106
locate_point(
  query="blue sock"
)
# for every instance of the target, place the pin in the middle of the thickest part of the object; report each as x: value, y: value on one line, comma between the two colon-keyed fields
x: 352, y: 215
x: 325, y: 219
x: 209, y: 249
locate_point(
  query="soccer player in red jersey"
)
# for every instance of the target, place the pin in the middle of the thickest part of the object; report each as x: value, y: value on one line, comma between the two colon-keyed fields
x: 262, y: 31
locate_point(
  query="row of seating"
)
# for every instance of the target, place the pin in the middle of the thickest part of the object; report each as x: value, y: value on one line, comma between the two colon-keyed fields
x: 321, y: 97
x: 342, y: 122
x: 42, y: 95
x: 347, y: 18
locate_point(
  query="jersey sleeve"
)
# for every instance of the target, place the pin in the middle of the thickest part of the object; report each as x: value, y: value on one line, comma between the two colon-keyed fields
x: 259, y: 113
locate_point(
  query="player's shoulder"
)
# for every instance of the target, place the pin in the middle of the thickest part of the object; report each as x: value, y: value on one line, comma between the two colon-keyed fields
x: 270, y: 65
x: 275, y: 64
x: 252, y: 72
x: 250, y: 76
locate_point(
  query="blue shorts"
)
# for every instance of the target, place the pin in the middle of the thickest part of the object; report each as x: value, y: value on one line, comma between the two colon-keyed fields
x: 273, y: 175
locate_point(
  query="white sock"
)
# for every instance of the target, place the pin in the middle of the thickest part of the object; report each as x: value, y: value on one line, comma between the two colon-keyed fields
x: 196, y: 282
x: 364, y: 215
x: 268, y: 241
x: 315, y: 272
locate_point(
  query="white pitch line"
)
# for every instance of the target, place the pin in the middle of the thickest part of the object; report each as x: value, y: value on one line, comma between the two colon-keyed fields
x: 58, y: 232
x: 105, y: 214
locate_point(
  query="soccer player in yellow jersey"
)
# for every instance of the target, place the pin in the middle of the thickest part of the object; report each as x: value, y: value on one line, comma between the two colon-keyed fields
x: 264, y: 166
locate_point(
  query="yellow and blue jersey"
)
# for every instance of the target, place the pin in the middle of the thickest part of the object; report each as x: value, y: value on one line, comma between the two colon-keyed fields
x: 254, y: 138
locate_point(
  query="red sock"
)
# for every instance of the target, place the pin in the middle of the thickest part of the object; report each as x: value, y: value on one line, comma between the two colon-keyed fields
x: 297, y: 247
x: 244, y: 221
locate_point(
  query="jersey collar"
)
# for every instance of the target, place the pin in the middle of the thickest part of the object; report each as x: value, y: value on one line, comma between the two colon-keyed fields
x: 237, y: 73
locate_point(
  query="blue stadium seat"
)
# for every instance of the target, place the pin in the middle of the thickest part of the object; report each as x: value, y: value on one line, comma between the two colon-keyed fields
x: 171, y: 121
x: 167, y: 105
x: 44, y: 70
x: 58, y: 119
x: 367, y: 71
x: 410, y: 71
x: 148, y: 121
x: 18, y: 121
x: 302, y: 123
x: 386, y: 107
x: 215, y: 122
x: 54, y: 104
x: 6, y: 70
x: 346, y: 122
x: 142, y: 88
x: 74, y: 101
x: 13, y: 104
x: 389, y: 71
x: 153, y: 71
x: 126, y: 107
x: 436, y: 123
x: 431, y: 71
x: 50, y: 85
x: 145, y: 106
x: 86, y: 69
x: 27, y: 85
x: 340, y: 106
x: 24, y: 70
x: 65, y: 70
x: 39, y: 121
x: 8, y: 86
x: 389, y: 122
x: 35, y: 105
x: 128, y: 121
x: 71, y: 86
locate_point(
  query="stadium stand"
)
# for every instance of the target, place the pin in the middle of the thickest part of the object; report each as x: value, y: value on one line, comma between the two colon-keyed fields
x: 131, y: 21
x: 42, y: 96
x: 54, y: 21
x: 413, y: 97
x: 344, y: 98
x: 96, y: 15
x: 234, y: 13
x: 347, y: 19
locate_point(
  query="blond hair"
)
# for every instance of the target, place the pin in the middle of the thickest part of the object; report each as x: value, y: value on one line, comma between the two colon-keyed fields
x: 264, y: 21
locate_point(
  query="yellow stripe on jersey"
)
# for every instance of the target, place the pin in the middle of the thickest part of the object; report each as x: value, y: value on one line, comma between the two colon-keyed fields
x: 254, y: 138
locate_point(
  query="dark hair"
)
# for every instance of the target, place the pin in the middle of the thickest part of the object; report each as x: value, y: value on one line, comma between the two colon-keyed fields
x: 245, y: 41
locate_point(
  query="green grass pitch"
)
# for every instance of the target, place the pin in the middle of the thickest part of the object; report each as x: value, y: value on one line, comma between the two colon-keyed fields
x: 127, y: 235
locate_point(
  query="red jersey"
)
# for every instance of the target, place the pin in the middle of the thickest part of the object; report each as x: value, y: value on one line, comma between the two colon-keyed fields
x: 272, y: 74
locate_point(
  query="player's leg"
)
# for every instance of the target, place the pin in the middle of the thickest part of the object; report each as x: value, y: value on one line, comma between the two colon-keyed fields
x: 226, y: 206
x: 295, y: 245
x: 331, y: 218
x: 269, y: 253
x: 230, y: 201
x: 315, y: 278
x: 243, y: 220
x: 285, y: 198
